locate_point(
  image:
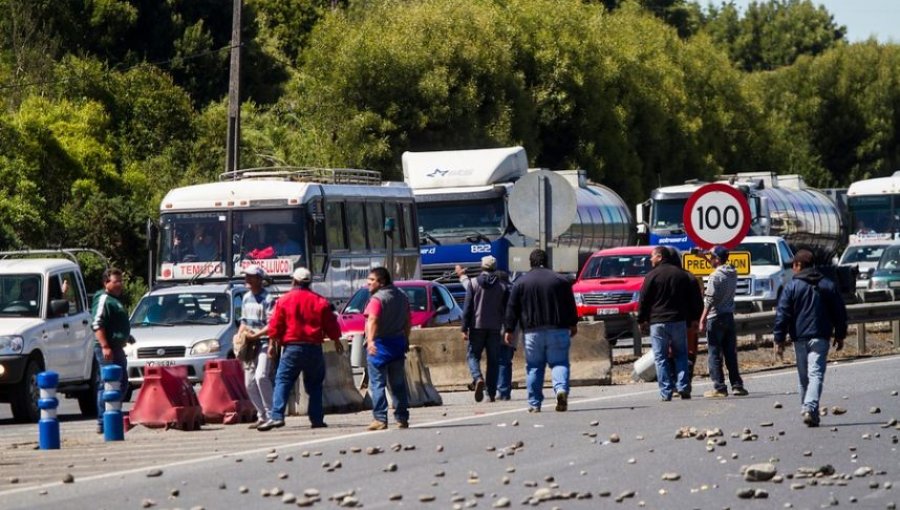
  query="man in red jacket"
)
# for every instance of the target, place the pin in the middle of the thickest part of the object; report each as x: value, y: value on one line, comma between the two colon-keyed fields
x: 301, y: 321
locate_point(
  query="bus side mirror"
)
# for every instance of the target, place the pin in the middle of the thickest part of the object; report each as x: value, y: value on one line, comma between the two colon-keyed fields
x: 152, y: 234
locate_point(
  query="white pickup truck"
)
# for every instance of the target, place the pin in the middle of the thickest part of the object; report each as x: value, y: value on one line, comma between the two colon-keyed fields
x: 770, y: 271
x: 44, y: 325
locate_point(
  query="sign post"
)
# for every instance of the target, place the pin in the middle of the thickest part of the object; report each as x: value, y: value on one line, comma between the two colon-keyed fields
x: 542, y: 206
x: 717, y: 214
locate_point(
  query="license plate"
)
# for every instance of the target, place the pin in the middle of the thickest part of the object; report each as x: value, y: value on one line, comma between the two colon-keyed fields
x: 608, y: 311
x: 164, y: 363
x: 894, y: 284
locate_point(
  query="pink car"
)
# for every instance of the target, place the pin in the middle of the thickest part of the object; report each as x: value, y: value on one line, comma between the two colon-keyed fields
x: 430, y: 305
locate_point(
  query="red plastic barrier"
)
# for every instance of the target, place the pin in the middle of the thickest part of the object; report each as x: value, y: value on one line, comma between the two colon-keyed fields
x: 223, y: 395
x: 167, y: 399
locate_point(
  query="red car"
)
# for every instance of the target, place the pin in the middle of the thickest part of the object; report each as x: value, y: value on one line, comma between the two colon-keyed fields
x: 430, y: 305
x: 609, y: 286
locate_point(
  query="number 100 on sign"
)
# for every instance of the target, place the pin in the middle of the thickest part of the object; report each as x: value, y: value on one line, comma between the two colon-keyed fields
x: 717, y: 214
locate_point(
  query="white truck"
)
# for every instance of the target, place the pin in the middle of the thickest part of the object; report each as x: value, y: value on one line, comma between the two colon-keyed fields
x: 770, y: 270
x: 45, y: 325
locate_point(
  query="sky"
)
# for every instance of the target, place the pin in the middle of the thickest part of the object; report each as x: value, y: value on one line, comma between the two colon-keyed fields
x: 862, y: 18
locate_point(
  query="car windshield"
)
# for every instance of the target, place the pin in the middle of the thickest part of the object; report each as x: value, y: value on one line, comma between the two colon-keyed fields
x: 418, y: 301
x: 863, y: 253
x: 890, y: 259
x: 20, y: 295
x: 184, y: 308
x: 617, y: 266
x: 761, y: 254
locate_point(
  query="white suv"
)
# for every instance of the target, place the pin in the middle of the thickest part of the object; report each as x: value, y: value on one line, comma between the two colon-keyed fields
x: 770, y: 271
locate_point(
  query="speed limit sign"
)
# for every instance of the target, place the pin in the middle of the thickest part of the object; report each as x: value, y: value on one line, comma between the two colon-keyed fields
x: 717, y: 214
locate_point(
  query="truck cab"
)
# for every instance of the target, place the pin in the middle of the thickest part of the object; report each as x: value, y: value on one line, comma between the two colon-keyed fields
x: 770, y: 270
x: 44, y: 325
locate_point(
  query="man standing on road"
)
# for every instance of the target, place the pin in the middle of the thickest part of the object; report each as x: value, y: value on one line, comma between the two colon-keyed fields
x: 256, y: 309
x: 809, y: 311
x: 507, y: 352
x: 301, y: 321
x: 112, y: 330
x: 542, y: 302
x: 664, y: 310
x: 387, y: 340
x: 485, y: 303
x: 718, y: 321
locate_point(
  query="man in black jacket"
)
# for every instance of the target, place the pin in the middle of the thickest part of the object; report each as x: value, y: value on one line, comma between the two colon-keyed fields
x: 542, y: 303
x: 809, y: 310
x: 664, y: 309
x: 482, y: 320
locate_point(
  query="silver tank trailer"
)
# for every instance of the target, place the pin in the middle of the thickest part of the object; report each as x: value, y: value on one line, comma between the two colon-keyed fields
x: 602, y: 220
x: 805, y: 218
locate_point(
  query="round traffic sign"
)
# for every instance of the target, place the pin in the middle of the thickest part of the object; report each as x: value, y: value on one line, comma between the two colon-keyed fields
x: 717, y: 214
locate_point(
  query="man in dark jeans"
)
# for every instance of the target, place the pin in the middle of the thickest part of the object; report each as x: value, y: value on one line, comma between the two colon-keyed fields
x: 112, y: 330
x: 482, y: 320
x: 718, y: 321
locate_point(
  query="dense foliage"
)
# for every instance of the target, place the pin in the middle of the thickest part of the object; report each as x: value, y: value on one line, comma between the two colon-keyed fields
x: 107, y: 104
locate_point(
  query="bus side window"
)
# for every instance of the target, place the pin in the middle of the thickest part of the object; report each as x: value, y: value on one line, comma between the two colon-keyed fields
x: 334, y: 223
x: 375, y: 225
x: 409, y: 232
x: 356, y: 225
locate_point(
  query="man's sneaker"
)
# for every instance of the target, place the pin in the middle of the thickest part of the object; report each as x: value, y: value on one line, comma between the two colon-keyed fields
x: 715, y: 394
x: 270, y: 424
x: 810, y: 419
x: 562, y: 401
x: 739, y: 391
x: 320, y: 425
x: 684, y: 395
x: 402, y: 424
x: 378, y: 425
x: 256, y: 424
x: 479, y: 390
x: 505, y: 397
x: 99, y: 428
x: 492, y: 398
x: 532, y: 409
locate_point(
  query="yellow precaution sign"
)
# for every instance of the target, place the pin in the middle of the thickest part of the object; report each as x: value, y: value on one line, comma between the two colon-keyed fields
x: 699, y: 266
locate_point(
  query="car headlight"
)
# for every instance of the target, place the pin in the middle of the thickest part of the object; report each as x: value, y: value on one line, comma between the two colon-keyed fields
x: 763, y: 285
x: 579, y: 299
x: 205, y: 347
x: 879, y: 284
x: 11, y: 344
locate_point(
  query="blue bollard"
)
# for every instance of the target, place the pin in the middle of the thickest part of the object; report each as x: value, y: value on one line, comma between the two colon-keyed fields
x: 113, y: 429
x: 48, y: 426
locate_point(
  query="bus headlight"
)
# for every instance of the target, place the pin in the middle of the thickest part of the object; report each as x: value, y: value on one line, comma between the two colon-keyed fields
x: 11, y: 344
x: 205, y: 347
x: 579, y: 299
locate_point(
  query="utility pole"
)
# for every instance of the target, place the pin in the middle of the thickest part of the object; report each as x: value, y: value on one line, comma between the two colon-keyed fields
x: 233, y: 142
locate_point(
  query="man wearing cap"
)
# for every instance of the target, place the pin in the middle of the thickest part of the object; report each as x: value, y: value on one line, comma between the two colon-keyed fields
x: 256, y: 308
x: 718, y: 321
x: 483, y: 309
x: 301, y: 321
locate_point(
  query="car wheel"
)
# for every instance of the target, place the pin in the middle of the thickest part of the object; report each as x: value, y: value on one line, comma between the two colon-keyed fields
x: 87, y: 399
x: 24, y: 401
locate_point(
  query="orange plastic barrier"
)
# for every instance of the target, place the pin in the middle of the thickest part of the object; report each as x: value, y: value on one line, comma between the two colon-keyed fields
x: 167, y: 400
x: 223, y: 395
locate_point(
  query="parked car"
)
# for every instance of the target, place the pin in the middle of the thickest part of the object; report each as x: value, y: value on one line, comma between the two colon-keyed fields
x: 431, y: 304
x: 865, y: 256
x: 183, y: 325
x: 885, y: 279
x: 609, y: 287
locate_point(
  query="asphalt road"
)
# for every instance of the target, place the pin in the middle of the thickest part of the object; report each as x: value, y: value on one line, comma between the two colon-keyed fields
x: 465, y: 454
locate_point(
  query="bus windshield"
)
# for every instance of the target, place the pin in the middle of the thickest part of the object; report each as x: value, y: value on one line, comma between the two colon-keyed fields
x: 668, y: 214
x: 486, y: 217
x: 271, y: 238
x: 871, y: 214
x: 193, y: 237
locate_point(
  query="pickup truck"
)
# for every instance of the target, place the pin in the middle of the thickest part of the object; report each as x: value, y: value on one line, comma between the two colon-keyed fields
x: 770, y: 271
x: 45, y: 325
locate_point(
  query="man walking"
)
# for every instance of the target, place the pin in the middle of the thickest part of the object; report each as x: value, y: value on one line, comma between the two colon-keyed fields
x: 112, y: 330
x: 256, y: 309
x: 483, y: 309
x: 301, y: 321
x: 664, y: 308
x: 387, y: 340
x: 542, y: 302
x: 809, y: 311
x: 718, y: 321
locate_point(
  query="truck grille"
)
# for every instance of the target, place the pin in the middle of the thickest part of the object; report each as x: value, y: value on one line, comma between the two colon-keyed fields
x: 607, y: 298
x: 154, y: 352
x: 436, y: 271
x: 744, y: 287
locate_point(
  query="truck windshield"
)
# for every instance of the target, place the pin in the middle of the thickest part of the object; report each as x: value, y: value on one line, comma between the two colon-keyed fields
x: 463, y: 218
x: 761, y: 254
x: 20, y: 295
x: 668, y: 214
x: 863, y: 253
x: 617, y: 266
x: 184, y: 308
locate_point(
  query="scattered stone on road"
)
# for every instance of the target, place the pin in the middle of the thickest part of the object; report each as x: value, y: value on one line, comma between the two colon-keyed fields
x: 762, y: 472
x: 671, y: 477
x: 153, y: 473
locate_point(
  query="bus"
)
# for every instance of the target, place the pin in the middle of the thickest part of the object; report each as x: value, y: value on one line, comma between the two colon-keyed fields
x: 874, y: 206
x: 339, y: 223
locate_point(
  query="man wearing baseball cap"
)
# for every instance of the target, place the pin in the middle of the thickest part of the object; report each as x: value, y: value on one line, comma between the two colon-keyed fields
x: 301, y: 321
x: 718, y: 321
x: 483, y: 311
x: 256, y: 308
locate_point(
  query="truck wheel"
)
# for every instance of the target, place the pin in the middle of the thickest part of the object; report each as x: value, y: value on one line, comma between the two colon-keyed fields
x: 24, y: 401
x: 87, y: 399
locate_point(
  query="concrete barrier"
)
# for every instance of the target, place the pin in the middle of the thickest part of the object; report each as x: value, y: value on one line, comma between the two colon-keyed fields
x: 444, y: 353
x: 418, y: 380
x: 339, y: 393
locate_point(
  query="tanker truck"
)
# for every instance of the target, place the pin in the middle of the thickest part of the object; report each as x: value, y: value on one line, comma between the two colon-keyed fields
x: 462, y: 208
x: 786, y: 215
